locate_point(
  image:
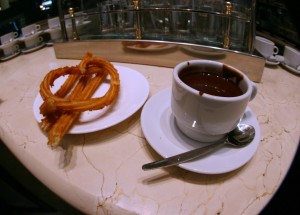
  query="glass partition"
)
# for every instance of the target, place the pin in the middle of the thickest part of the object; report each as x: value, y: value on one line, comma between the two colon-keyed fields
x: 217, y: 23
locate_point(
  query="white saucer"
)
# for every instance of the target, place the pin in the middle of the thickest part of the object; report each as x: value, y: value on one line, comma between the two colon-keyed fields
x: 28, y: 50
x: 292, y: 69
x: 134, y: 91
x: 160, y: 130
x: 272, y: 63
x: 5, y: 58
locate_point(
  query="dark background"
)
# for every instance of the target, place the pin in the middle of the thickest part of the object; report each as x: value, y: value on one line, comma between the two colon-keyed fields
x: 278, y: 19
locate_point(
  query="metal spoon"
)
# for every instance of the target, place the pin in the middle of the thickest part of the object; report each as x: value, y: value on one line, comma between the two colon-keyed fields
x: 241, y: 136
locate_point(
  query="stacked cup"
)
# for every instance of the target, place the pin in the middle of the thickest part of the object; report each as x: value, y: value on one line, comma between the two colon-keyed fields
x: 9, y: 44
x: 267, y: 49
x: 31, y: 36
x: 54, y: 29
x: 291, y: 57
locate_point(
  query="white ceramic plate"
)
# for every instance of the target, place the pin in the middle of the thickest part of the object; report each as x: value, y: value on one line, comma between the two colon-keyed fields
x: 134, y: 91
x: 161, y: 132
x: 292, y: 69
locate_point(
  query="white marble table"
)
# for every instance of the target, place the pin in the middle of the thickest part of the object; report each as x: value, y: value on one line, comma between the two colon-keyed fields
x: 100, y: 172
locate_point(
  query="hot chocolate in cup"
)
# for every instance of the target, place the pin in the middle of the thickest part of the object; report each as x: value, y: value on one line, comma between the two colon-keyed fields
x: 209, y: 98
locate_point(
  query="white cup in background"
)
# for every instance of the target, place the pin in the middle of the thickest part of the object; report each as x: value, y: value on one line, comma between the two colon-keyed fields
x: 30, y: 29
x: 54, y: 23
x: 291, y: 57
x: 33, y: 40
x: 10, y: 48
x: 9, y: 37
x: 265, y: 47
x: 55, y: 33
x: 208, y: 113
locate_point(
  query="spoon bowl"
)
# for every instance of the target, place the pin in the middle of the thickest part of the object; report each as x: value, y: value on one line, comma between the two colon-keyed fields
x: 241, y: 136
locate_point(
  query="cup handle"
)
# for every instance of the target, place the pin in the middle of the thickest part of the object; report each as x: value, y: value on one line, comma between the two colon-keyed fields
x: 254, y: 91
x: 275, y: 50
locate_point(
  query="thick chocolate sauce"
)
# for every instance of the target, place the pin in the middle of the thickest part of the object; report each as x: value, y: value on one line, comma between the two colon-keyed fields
x: 219, y: 83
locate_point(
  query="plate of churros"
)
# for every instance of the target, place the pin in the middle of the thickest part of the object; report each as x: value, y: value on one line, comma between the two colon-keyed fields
x: 134, y: 91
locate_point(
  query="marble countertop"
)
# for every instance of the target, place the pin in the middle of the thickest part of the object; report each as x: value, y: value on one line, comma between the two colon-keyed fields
x: 100, y: 172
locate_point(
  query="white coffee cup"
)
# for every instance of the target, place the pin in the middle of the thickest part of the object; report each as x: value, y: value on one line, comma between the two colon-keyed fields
x: 33, y: 40
x: 291, y: 57
x: 55, y: 33
x: 9, y: 37
x: 53, y: 23
x: 202, y: 116
x: 30, y: 30
x: 265, y: 47
x: 10, y: 48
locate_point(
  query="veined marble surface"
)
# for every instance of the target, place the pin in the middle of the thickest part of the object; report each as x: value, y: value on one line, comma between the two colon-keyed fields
x: 100, y: 172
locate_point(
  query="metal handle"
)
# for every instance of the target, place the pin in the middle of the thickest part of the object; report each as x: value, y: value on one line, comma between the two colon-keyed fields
x: 74, y: 28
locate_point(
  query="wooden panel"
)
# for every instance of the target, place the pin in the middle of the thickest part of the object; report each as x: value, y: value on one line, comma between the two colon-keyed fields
x: 158, y: 53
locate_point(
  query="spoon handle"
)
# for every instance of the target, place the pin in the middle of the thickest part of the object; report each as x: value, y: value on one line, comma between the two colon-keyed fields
x: 183, y: 157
